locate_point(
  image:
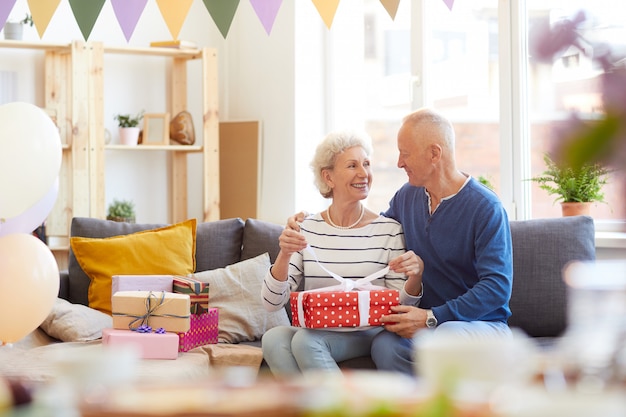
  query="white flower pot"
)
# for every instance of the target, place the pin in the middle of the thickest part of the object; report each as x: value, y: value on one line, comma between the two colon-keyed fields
x: 129, y: 135
x: 13, y: 30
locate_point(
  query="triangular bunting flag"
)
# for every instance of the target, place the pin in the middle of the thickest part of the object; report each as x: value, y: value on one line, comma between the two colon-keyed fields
x: 174, y: 13
x: 5, y: 9
x: 86, y: 13
x: 222, y: 12
x: 266, y: 10
x: 42, y: 12
x: 391, y: 6
x: 327, y: 9
x: 128, y: 13
x: 449, y: 3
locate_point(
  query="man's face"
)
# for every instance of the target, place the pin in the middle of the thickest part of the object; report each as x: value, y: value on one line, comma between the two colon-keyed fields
x: 412, y: 158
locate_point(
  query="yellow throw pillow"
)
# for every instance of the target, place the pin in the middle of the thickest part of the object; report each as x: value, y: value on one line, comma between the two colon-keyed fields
x: 167, y: 250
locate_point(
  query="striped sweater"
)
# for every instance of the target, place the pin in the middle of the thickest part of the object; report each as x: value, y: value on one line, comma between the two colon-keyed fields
x: 350, y: 253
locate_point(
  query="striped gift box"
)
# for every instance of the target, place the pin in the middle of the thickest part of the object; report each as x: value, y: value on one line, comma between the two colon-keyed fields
x: 197, y: 291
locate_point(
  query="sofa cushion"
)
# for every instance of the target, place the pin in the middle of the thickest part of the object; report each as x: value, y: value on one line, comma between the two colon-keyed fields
x: 166, y: 250
x: 75, y: 322
x: 259, y: 237
x: 218, y: 243
x: 236, y: 292
x: 541, y: 248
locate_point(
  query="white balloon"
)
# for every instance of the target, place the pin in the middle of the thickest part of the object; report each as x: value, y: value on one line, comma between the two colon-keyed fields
x: 29, y: 285
x: 30, y: 157
x: 32, y: 217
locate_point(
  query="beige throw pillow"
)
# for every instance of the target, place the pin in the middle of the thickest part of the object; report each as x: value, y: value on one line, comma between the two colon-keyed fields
x: 75, y: 322
x: 236, y: 292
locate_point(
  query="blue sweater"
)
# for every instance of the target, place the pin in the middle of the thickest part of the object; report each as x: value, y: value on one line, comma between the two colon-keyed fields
x: 466, y: 248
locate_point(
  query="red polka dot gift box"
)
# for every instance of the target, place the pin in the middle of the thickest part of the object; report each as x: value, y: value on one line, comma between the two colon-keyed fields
x: 335, y: 309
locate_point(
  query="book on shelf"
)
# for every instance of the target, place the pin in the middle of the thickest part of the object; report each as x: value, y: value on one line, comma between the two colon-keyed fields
x: 174, y: 43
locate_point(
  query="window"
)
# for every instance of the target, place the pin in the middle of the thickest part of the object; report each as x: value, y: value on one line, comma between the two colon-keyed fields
x: 472, y: 64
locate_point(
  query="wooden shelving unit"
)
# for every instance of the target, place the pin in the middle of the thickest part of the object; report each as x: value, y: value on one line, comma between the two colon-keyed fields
x: 74, y: 96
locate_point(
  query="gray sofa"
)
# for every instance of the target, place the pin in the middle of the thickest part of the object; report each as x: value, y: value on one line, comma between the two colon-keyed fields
x: 541, y: 248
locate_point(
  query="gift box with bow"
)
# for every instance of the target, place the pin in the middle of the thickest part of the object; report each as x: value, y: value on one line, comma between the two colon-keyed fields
x: 132, y: 309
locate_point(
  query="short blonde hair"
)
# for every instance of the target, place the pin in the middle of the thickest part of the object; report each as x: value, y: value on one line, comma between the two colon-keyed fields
x: 326, y: 154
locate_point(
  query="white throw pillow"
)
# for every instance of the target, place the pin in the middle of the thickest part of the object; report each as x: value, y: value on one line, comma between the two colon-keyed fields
x: 75, y: 322
x: 236, y: 292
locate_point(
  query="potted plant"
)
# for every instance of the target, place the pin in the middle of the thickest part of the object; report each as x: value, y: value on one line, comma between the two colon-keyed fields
x: 576, y: 188
x: 121, y: 211
x: 129, y: 127
x: 15, y: 30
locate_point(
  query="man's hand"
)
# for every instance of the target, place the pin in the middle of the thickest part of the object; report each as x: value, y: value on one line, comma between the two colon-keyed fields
x: 412, y: 266
x: 294, y: 221
x: 406, y: 321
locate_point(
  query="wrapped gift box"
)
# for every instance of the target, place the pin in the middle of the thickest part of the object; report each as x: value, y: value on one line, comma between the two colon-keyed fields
x: 156, y: 309
x: 332, y: 309
x: 203, y: 330
x: 198, y: 292
x: 149, y: 345
x: 142, y: 283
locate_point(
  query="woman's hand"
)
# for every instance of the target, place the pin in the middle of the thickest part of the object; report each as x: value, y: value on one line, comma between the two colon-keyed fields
x: 291, y: 241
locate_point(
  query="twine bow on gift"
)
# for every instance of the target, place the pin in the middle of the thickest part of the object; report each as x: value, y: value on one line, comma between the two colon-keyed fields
x: 364, y: 284
x: 142, y: 321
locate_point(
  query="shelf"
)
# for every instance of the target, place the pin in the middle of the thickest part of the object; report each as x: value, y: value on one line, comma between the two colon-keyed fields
x: 73, y: 93
x: 46, y: 46
x: 169, y: 148
x: 165, y: 52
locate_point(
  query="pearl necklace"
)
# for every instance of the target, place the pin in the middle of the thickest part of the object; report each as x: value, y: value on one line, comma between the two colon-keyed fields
x: 345, y: 227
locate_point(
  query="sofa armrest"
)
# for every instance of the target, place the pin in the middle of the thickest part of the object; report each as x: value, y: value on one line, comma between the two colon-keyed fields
x: 64, y: 284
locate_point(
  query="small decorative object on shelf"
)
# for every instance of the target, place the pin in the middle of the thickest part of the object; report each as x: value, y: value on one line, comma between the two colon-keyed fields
x: 129, y: 127
x: 181, y: 129
x: 175, y: 43
x: 573, y: 186
x: 155, y: 129
x: 121, y: 211
x: 15, y: 30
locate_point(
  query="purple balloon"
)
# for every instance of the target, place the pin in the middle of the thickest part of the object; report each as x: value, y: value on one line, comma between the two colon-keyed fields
x: 34, y: 216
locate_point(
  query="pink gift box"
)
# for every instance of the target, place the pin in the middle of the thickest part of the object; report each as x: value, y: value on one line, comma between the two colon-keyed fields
x: 203, y: 330
x: 142, y: 283
x: 331, y: 309
x: 150, y: 345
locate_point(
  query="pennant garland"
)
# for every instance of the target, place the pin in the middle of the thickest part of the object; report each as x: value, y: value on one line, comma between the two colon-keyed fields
x: 86, y: 13
x: 266, y: 11
x: 5, y: 9
x: 42, y: 12
x: 391, y: 6
x: 174, y: 12
x: 222, y: 13
x: 127, y: 13
x: 326, y: 9
x: 449, y: 3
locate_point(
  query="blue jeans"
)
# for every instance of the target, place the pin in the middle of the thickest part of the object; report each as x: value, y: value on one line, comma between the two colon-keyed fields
x: 293, y: 350
x: 391, y: 352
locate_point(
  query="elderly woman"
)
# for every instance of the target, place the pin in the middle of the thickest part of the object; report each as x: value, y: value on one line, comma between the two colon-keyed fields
x: 346, y: 239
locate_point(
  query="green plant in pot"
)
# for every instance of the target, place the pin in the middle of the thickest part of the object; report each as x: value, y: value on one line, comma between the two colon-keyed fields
x: 14, y: 30
x: 575, y: 188
x: 129, y: 127
x: 121, y: 211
